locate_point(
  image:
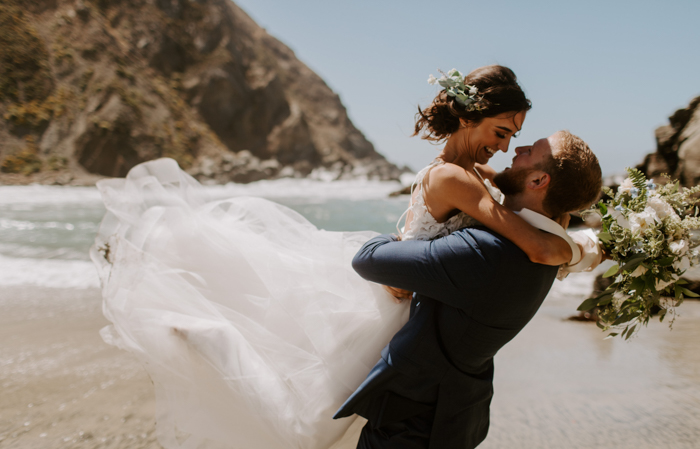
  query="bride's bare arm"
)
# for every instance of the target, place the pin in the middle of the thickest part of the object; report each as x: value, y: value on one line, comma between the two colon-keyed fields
x: 453, y: 188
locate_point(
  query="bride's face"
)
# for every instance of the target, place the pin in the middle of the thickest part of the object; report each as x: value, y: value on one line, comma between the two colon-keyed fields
x: 491, y: 135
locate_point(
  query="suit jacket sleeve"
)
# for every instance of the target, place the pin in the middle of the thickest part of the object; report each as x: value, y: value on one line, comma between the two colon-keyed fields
x: 444, y: 269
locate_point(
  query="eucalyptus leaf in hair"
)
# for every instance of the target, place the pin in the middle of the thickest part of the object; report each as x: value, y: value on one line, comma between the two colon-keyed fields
x: 453, y: 83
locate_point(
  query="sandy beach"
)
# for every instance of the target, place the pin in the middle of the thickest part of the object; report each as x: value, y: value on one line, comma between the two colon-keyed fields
x: 62, y: 386
x: 558, y: 384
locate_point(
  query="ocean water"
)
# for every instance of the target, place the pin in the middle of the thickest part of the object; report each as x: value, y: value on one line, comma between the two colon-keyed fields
x: 46, y: 231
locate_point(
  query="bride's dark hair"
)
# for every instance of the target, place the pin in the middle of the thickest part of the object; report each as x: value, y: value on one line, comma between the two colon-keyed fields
x: 499, y: 92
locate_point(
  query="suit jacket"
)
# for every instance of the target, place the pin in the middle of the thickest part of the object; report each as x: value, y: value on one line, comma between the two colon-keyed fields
x: 474, y: 291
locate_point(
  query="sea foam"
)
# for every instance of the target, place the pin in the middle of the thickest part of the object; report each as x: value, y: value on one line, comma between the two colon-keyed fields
x: 54, y: 273
x: 280, y: 188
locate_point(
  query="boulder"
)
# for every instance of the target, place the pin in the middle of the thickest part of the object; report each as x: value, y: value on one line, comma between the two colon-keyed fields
x: 677, y: 147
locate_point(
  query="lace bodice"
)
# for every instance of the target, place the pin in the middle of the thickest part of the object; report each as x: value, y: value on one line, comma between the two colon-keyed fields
x: 423, y: 225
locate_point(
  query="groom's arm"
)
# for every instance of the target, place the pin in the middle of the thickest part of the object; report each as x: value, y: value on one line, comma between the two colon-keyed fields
x: 445, y: 269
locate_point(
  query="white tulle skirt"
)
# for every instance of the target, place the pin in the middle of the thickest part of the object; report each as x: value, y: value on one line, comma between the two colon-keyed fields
x: 250, y: 320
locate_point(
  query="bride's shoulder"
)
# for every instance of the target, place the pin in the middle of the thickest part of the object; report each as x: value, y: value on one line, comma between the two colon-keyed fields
x: 448, y: 173
x: 446, y: 169
x: 449, y: 180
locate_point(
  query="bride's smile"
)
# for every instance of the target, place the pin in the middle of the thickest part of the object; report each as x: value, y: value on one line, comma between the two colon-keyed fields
x: 479, y: 142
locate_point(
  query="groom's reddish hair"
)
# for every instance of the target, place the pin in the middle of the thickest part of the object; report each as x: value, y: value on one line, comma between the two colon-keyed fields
x: 576, y: 178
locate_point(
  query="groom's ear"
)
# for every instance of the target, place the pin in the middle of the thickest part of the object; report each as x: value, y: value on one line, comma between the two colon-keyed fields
x: 538, y: 180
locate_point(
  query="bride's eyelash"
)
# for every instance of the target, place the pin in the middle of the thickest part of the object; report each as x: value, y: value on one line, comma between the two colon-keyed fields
x: 501, y: 136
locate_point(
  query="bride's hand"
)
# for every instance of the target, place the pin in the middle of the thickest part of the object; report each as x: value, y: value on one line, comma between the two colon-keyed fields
x: 397, y: 294
x: 563, y: 220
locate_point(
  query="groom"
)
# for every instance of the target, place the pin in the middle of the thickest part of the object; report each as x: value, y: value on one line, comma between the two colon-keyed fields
x: 474, y: 291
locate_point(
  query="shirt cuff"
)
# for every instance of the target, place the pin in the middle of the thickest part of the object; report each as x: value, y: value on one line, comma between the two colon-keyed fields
x: 591, y: 255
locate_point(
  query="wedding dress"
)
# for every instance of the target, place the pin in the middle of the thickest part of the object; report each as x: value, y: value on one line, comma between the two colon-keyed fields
x: 250, y: 321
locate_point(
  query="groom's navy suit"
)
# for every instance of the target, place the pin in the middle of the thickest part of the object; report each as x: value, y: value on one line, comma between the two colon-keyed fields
x: 474, y: 291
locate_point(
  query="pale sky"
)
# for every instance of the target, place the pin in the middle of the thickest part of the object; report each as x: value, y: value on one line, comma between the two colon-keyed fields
x: 609, y: 71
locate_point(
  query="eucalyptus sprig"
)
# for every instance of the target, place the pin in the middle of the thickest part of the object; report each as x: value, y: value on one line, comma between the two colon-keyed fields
x: 453, y: 83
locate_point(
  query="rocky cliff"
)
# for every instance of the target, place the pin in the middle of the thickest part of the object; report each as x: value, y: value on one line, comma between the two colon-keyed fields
x: 93, y: 87
x: 677, y: 147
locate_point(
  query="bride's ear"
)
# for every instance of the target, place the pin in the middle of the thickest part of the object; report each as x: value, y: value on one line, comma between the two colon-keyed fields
x: 538, y: 180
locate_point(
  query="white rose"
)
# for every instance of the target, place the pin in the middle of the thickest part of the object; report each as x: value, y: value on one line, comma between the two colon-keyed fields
x: 641, y: 221
x: 639, y: 271
x: 473, y: 90
x: 662, y: 208
x: 432, y: 80
x: 679, y: 247
x: 626, y: 186
x: 620, y: 218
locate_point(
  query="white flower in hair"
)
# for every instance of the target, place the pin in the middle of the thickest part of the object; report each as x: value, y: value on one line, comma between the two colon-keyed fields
x: 432, y: 80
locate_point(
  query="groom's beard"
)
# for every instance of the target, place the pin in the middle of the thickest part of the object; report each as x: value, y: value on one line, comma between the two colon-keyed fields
x: 512, y: 181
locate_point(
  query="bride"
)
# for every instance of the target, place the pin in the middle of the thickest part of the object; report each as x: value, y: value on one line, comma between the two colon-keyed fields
x: 250, y: 321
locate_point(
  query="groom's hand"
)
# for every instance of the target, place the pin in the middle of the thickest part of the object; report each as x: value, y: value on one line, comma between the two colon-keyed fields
x: 397, y: 294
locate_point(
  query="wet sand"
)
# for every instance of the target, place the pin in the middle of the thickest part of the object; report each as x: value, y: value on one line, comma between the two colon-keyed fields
x: 558, y: 384
x: 62, y: 386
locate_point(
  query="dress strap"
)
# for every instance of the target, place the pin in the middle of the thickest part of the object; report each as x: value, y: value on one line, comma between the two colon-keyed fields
x: 479, y: 175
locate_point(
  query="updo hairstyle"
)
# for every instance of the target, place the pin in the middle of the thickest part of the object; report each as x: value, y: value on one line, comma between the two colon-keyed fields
x: 498, y: 91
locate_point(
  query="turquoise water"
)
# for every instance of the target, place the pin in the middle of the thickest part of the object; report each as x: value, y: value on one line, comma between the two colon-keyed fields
x: 46, y: 231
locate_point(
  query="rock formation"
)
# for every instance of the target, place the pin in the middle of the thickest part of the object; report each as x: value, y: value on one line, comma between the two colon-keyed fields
x: 677, y: 147
x: 93, y: 87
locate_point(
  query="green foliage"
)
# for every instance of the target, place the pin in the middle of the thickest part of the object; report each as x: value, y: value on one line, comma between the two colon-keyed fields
x: 37, y: 113
x: 85, y: 79
x: 62, y: 53
x: 612, y: 271
x: 638, y: 178
x: 24, y: 62
x: 26, y: 161
x: 57, y: 163
x: 124, y: 72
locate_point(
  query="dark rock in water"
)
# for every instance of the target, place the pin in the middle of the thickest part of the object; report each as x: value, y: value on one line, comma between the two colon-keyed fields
x: 677, y: 147
x: 107, y: 85
x: 404, y: 191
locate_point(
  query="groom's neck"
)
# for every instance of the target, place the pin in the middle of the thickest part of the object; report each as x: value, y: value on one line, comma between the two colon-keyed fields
x: 525, y: 201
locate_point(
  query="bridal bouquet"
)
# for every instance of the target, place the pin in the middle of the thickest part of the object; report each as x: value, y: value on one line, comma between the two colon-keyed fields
x: 646, y: 230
